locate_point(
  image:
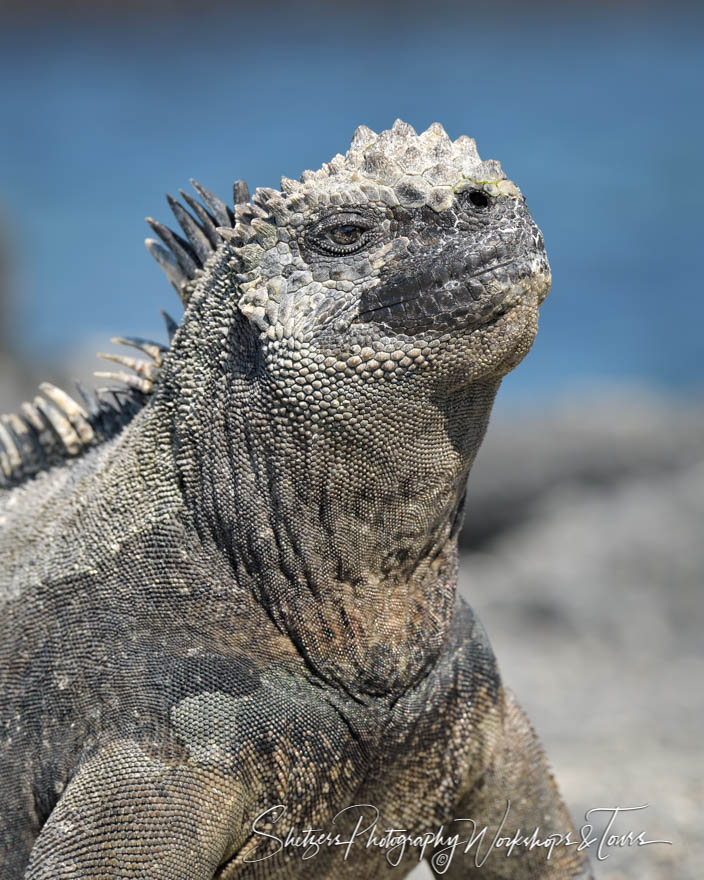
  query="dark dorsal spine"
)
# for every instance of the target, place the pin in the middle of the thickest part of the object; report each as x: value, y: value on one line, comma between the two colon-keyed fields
x: 57, y: 428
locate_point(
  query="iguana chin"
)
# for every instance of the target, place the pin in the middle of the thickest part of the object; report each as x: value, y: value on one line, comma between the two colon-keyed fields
x: 235, y: 587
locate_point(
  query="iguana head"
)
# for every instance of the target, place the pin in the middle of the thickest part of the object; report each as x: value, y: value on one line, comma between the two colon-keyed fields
x: 408, y: 260
x: 332, y: 379
x: 408, y: 254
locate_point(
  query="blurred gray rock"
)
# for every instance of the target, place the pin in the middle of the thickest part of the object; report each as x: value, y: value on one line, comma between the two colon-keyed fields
x: 592, y: 596
x: 606, y: 438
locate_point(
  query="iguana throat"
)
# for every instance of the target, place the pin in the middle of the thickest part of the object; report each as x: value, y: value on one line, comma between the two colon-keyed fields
x: 346, y: 534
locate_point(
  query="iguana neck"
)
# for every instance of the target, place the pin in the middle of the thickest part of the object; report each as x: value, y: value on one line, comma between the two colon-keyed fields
x: 348, y: 540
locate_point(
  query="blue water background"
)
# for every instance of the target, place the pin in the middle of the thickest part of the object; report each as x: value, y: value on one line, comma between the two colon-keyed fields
x: 596, y: 113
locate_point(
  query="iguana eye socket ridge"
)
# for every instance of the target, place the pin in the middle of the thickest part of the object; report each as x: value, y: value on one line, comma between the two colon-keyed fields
x: 341, y: 234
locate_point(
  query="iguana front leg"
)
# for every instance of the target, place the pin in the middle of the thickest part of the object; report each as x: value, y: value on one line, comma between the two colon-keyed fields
x: 127, y: 814
x: 516, y: 793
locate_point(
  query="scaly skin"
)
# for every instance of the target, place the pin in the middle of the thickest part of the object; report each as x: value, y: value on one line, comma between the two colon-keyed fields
x: 246, y: 597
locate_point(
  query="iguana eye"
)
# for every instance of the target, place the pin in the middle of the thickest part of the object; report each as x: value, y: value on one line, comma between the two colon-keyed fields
x: 342, y: 233
x: 345, y: 234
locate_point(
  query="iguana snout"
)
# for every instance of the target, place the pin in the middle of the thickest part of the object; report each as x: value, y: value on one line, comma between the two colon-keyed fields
x: 462, y: 269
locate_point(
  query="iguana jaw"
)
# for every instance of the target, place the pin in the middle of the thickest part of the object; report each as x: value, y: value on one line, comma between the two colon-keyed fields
x: 417, y: 304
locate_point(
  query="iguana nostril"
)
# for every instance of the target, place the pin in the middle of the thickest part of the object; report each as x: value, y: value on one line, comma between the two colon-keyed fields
x: 479, y: 198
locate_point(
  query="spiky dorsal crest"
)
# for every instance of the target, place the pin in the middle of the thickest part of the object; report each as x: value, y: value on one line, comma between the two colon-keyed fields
x: 182, y: 259
x: 56, y: 427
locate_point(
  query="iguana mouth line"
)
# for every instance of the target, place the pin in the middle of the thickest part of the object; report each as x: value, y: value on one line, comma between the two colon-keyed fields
x: 408, y: 299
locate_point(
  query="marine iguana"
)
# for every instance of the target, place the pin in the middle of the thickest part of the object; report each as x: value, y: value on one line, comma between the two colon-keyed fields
x: 229, y: 604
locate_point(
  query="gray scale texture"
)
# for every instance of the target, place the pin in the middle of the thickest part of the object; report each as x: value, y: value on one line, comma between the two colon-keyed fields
x: 242, y: 593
